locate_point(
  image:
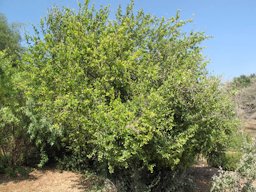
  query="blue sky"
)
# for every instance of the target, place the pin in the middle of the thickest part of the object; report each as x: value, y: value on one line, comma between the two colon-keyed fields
x: 232, y: 23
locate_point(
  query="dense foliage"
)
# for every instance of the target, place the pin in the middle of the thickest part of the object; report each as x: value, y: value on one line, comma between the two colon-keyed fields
x: 130, y: 96
x: 14, y: 140
x: 121, y: 91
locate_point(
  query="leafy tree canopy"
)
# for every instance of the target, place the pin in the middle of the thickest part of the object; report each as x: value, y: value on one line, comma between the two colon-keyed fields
x: 9, y: 36
x: 124, y: 93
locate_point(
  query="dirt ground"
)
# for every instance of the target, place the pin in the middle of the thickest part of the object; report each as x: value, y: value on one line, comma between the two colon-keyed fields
x: 53, y: 180
x: 250, y: 127
x: 45, y: 181
x: 202, y: 176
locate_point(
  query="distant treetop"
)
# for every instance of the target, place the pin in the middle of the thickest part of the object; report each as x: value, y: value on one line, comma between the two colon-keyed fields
x: 9, y: 35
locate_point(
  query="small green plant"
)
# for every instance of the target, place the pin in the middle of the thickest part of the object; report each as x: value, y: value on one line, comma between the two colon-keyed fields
x: 229, y: 158
x: 17, y: 171
x: 4, y: 163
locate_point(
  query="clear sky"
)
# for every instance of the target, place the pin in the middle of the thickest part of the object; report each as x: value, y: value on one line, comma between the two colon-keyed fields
x: 232, y: 23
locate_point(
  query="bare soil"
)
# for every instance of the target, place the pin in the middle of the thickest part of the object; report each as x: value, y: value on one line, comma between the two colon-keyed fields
x: 250, y: 127
x: 202, y: 176
x: 45, y: 181
x: 52, y: 180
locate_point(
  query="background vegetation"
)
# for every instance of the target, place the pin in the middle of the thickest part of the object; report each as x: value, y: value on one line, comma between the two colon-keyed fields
x: 243, y: 176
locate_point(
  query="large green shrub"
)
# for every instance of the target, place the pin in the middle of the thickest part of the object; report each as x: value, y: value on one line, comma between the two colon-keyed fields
x: 126, y: 93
